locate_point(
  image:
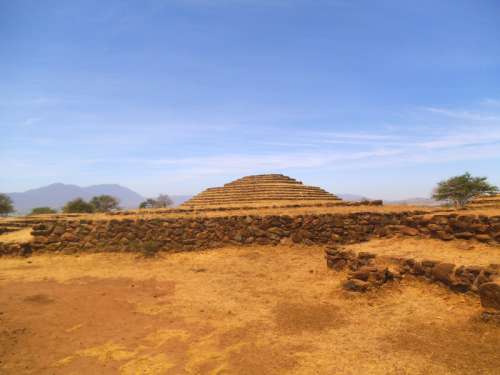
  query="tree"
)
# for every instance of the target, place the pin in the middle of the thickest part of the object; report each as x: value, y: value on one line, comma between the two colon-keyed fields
x: 105, y: 203
x: 42, y: 210
x: 162, y: 201
x: 78, y: 205
x: 148, y: 203
x: 460, y: 190
x: 6, y: 206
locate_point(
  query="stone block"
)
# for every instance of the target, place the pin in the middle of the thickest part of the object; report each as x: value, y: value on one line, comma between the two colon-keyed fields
x: 490, y: 295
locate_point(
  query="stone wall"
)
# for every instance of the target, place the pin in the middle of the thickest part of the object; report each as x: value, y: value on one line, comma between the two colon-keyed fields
x: 367, y: 271
x: 209, y: 232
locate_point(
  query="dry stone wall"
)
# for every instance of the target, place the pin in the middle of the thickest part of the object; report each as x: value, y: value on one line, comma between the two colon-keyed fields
x: 367, y: 271
x: 182, y: 234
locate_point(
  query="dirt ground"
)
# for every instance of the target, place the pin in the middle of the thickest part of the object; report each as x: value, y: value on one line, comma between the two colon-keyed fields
x: 252, y: 310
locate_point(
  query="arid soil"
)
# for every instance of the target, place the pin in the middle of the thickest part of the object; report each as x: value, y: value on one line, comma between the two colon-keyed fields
x: 241, y: 310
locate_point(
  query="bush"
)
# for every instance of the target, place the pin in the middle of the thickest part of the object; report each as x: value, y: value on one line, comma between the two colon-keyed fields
x: 148, y: 203
x: 42, y: 210
x: 460, y: 190
x: 6, y: 206
x: 105, y: 203
x: 78, y: 205
x: 162, y: 201
x: 150, y: 249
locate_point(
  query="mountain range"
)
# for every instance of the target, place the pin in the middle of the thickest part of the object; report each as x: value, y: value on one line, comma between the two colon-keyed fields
x: 56, y: 196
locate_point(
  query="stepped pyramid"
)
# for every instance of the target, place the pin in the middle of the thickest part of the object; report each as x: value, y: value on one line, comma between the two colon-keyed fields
x: 261, y: 190
x: 486, y: 201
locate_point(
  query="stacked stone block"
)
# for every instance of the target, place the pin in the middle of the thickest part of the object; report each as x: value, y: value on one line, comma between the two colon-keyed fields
x: 260, y: 189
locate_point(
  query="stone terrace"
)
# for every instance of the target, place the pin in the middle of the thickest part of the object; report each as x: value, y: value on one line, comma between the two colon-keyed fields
x: 261, y: 189
x: 486, y: 201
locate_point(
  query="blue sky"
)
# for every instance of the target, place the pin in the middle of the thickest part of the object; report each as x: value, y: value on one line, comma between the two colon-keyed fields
x: 380, y: 98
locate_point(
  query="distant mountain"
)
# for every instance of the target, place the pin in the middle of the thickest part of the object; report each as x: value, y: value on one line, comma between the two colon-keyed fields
x: 180, y: 199
x: 410, y: 201
x: 351, y: 197
x: 56, y: 195
x: 415, y: 202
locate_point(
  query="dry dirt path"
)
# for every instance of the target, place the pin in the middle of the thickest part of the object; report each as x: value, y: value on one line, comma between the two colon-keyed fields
x: 254, y: 310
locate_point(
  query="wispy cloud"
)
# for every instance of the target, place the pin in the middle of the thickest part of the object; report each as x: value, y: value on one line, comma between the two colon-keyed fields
x: 491, y: 102
x: 462, y: 115
x: 177, y: 151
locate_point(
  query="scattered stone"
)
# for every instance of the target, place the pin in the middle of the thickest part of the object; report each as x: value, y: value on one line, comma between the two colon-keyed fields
x: 464, y: 235
x: 490, y: 295
x: 443, y: 272
x: 69, y: 237
x: 491, y: 317
x: 483, y: 237
x: 355, y: 285
x: 408, y: 231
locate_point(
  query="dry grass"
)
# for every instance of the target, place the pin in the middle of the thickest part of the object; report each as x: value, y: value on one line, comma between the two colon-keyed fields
x: 22, y: 235
x: 251, y: 310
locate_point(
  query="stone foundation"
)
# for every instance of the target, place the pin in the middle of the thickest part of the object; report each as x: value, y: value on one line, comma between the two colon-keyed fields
x: 367, y: 271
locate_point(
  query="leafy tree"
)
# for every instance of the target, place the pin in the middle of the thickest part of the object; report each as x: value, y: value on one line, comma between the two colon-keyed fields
x: 6, y: 206
x: 42, y: 210
x: 460, y: 190
x: 105, y: 203
x: 78, y: 205
x: 162, y: 201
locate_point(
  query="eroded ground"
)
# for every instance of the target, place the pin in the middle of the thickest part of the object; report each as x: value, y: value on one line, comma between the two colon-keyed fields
x: 253, y: 310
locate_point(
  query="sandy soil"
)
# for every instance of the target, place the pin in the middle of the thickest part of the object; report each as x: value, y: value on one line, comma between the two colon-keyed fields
x: 252, y: 310
x: 458, y: 252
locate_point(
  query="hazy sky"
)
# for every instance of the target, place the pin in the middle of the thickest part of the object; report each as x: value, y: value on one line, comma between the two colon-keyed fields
x: 380, y: 98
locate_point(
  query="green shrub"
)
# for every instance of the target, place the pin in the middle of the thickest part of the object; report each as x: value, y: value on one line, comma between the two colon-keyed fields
x: 105, y: 203
x: 78, y: 205
x: 42, y: 210
x: 6, y: 206
x: 150, y: 249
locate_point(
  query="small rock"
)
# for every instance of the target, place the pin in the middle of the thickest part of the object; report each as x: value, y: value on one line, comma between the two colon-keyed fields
x: 491, y: 317
x: 443, y: 272
x: 483, y: 237
x: 355, y: 285
x: 464, y: 235
x: 445, y: 236
x: 490, y: 295
x: 409, y: 231
x: 366, y: 255
x: 428, y: 263
x: 69, y: 237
